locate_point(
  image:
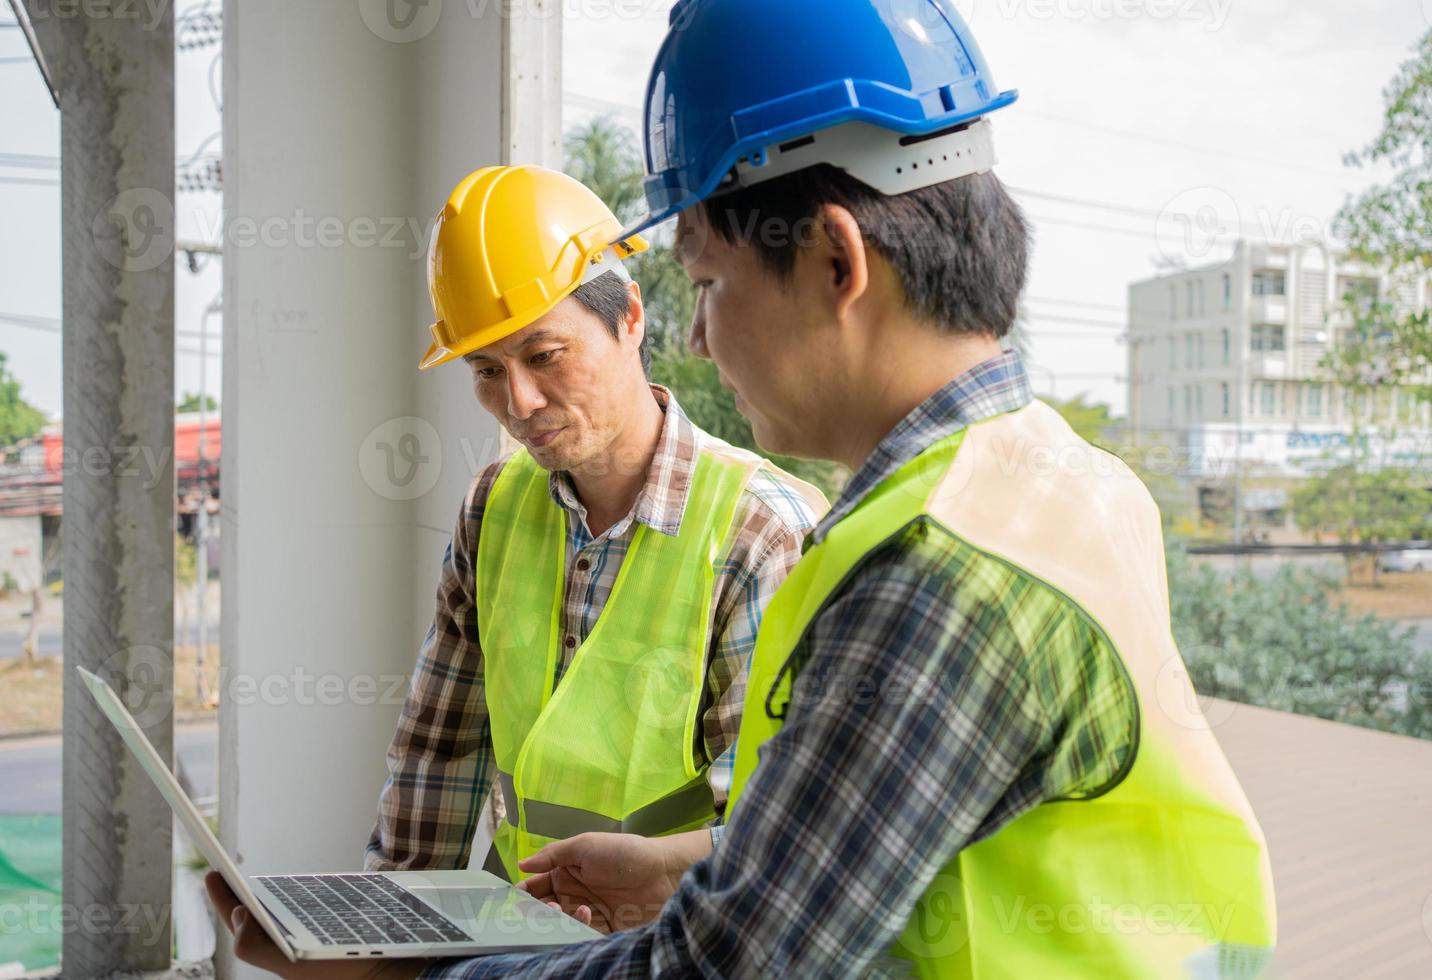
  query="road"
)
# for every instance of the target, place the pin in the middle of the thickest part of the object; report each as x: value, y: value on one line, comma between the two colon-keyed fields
x: 30, y: 769
x: 50, y: 638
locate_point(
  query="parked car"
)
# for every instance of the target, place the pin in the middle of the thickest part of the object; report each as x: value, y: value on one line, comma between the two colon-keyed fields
x: 1407, y: 560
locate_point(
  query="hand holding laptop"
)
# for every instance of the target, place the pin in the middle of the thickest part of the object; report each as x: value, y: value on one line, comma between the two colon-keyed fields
x: 253, y: 946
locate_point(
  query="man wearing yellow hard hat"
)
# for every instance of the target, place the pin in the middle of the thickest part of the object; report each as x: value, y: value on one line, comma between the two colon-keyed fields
x: 601, y: 594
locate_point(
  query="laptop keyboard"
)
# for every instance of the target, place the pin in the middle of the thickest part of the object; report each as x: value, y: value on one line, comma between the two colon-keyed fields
x: 368, y: 910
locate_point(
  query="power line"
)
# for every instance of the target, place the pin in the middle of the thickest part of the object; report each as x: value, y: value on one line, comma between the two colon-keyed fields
x: 1180, y: 144
x: 1078, y: 321
x: 49, y: 324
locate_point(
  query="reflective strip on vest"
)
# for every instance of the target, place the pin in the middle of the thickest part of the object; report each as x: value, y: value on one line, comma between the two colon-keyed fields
x: 693, y: 802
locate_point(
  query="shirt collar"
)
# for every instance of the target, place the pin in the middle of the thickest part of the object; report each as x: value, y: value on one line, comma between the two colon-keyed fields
x: 662, y: 501
x: 990, y: 388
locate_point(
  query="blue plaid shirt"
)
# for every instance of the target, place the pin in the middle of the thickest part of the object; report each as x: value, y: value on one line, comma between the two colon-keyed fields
x: 811, y: 879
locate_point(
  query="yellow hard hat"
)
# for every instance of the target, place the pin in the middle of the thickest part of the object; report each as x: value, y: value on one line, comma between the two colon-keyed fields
x: 509, y: 245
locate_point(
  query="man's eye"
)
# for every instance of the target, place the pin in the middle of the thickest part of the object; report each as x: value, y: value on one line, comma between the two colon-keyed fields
x: 487, y: 373
x: 543, y: 357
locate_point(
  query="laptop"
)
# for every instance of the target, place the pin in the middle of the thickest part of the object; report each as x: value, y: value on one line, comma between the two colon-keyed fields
x: 336, y: 916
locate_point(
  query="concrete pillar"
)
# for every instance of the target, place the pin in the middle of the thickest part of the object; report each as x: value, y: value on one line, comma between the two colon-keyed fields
x: 344, y: 469
x: 113, y: 73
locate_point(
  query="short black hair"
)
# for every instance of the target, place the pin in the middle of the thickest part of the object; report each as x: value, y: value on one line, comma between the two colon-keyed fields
x: 960, y: 248
x: 606, y: 297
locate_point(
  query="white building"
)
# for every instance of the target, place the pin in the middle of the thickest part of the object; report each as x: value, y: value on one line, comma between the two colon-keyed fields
x: 1236, y: 347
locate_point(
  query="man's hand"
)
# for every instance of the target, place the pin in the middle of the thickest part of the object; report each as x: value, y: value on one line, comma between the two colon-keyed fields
x: 623, y: 879
x: 253, y: 945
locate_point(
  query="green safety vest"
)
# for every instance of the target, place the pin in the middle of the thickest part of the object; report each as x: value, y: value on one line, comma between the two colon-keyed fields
x: 614, y: 747
x: 1166, y: 873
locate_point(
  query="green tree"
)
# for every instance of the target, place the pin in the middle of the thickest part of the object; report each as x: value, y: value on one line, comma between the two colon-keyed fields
x: 1389, y: 223
x: 18, y: 418
x: 1090, y: 421
x: 190, y: 403
x: 603, y: 155
x: 1363, y: 507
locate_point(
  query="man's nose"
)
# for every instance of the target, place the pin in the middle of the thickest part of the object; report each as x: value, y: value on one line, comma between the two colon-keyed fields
x: 524, y: 397
x: 696, y: 336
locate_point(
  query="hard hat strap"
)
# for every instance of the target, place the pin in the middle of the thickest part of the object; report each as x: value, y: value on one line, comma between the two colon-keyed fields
x: 609, y: 263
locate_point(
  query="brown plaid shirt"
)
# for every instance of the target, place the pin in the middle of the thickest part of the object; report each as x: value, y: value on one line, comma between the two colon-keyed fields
x: 440, y: 762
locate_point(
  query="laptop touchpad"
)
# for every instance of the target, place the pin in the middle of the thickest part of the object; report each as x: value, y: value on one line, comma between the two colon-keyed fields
x: 488, y: 912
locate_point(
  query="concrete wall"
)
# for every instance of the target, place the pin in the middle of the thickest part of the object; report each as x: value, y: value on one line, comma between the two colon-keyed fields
x: 343, y: 467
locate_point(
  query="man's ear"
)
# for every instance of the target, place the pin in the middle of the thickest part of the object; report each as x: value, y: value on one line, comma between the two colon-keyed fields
x: 846, y: 270
x: 635, y: 313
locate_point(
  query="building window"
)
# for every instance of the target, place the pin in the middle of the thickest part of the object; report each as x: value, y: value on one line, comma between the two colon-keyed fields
x: 1188, y: 298
x: 1198, y: 401
x: 1227, y: 345
x: 1171, y: 405
x: 1267, y: 398
x: 1198, y: 348
x: 1198, y: 294
x: 1269, y: 282
x: 1313, y: 400
x: 1172, y: 353
x: 1173, y: 302
x: 1227, y: 292
x: 1224, y: 387
x: 1188, y: 360
x: 1188, y: 401
x: 1267, y: 337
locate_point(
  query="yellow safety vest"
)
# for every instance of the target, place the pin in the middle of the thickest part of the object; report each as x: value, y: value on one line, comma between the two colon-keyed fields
x: 1166, y: 873
x: 614, y: 748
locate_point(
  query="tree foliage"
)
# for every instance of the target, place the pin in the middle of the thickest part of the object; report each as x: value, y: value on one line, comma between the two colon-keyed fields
x: 1390, y: 222
x: 190, y: 403
x: 18, y: 418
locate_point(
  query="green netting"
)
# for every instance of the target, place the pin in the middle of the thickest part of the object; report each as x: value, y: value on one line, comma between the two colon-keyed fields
x: 30, y: 926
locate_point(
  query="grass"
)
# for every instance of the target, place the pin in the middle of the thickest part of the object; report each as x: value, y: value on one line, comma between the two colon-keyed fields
x: 31, y: 699
x: 1398, y: 595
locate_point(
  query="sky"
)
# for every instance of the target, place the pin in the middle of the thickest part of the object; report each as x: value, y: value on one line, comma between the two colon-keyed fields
x: 1131, y: 115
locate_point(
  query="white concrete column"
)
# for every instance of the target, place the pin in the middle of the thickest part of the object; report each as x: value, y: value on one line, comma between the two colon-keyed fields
x: 346, y: 125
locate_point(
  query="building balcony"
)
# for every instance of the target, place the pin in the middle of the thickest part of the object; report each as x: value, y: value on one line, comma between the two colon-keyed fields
x: 1269, y: 364
x: 1268, y: 309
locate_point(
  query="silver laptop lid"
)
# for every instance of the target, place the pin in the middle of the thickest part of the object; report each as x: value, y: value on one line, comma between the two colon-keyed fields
x: 183, y: 807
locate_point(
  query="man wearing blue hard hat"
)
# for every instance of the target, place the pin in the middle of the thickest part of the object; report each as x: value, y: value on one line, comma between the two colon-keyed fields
x: 969, y: 745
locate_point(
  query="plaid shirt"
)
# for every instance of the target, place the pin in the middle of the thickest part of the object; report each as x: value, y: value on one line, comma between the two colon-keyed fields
x: 811, y: 879
x: 440, y: 762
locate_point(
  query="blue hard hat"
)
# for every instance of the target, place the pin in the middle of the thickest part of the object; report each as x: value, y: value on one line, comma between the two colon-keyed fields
x: 740, y: 85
